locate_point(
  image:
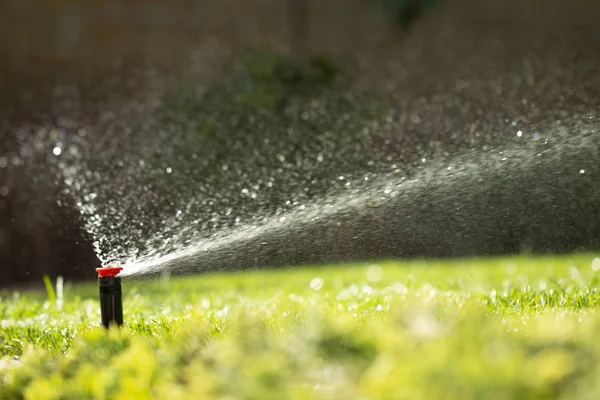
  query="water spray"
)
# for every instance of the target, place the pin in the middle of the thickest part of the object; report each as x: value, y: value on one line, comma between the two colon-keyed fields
x: 111, y: 301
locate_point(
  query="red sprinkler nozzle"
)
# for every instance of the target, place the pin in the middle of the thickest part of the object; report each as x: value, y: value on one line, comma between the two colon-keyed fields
x: 111, y: 302
x: 108, y: 271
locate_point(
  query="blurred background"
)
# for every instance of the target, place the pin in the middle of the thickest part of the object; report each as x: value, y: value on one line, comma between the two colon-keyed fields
x: 94, y: 69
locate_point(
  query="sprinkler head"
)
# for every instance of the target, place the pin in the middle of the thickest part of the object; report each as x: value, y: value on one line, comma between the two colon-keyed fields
x: 111, y: 302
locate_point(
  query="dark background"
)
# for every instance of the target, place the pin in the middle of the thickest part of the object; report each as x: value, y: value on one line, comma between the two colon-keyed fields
x: 103, y: 50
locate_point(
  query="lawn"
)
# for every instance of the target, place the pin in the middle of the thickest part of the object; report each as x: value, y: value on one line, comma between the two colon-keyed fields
x: 503, y: 328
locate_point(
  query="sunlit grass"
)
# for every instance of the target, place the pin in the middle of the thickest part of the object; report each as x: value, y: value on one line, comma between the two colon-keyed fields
x: 490, y: 329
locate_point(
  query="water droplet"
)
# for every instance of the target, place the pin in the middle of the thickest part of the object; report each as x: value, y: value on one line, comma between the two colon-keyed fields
x: 374, y: 273
x: 574, y: 272
x: 511, y: 268
x: 582, y: 171
x: 519, y: 133
x: 542, y: 285
x: 316, y: 283
x: 57, y: 150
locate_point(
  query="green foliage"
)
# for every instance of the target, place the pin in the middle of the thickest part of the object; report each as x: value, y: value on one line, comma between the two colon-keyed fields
x: 268, y: 81
x: 519, y: 328
x: 406, y: 12
x: 49, y: 289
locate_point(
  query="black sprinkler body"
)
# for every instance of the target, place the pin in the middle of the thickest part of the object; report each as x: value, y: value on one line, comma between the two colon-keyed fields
x: 111, y: 299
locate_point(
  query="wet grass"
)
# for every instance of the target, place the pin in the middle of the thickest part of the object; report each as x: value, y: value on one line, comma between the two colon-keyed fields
x: 472, y: 329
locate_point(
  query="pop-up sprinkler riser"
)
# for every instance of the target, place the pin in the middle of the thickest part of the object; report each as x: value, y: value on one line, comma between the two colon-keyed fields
x: 111, y: 302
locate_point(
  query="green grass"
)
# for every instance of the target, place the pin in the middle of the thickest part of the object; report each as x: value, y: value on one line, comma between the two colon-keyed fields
x: 472, y: 329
